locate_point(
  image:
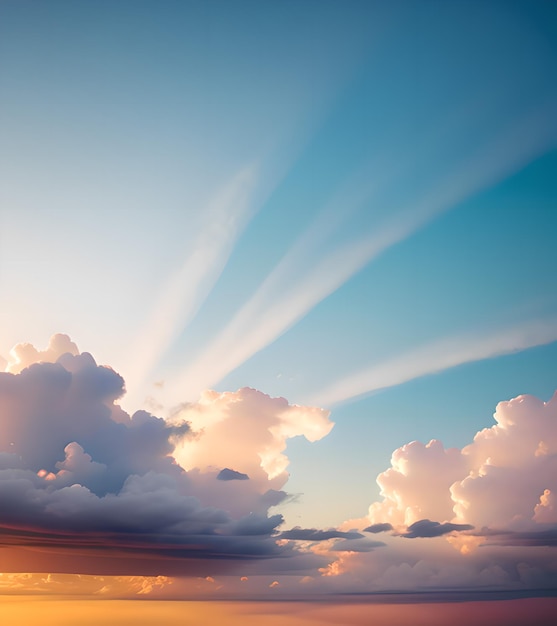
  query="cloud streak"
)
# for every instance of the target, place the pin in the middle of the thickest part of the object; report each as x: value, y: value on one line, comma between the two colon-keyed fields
x: 306, y: 275
x: 427, y: 528
x: 437, y: 357
x: 184, y: 291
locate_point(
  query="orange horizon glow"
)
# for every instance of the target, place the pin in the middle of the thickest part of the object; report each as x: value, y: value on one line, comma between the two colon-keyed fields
x: 66, y: 612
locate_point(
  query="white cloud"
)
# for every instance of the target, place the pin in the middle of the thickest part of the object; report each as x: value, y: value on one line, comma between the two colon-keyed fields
x: 504, y: 480
x: 24, y: 354
x: 437, y: 357
x: 317, y: 265
x: 185, y: 290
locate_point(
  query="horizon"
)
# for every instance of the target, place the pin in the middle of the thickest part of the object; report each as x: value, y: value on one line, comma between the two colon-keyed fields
x: 278, y: 323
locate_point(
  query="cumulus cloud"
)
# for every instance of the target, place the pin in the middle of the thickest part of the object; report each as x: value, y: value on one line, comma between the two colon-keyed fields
x: 86, y: 487
x: 81, y: 477
x: 417, y: 485
x: 517, y: 460
x: 24, y: 354
x: 505, y: 479
x: 258, y: 425
x: 493, y: 504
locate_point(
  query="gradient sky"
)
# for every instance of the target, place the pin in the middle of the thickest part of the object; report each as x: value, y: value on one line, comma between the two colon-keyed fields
x: 350, y: 205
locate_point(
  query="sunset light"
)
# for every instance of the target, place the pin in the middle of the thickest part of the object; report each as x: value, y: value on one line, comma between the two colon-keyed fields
x: 278, y: 322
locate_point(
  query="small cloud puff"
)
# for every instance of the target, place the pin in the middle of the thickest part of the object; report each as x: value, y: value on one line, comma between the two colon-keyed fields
x: 427, y: 528
x: 379, y: 528
x: 229, y: 474
x: 25, y: 354
x: 312, y: 534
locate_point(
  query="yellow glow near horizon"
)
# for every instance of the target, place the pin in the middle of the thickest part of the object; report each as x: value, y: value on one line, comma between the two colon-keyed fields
x: 56, y: 612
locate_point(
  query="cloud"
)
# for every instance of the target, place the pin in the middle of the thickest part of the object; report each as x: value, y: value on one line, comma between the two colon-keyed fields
x: 546, y: 536
x: 495, y: 505
x: 247, y: 430
x: 24, y: 354
x: 417, y: 485
x: 427, y: 528
x: 317, y: 264
x: 312, y: 534
x: 100, y: 490
x: 185, y: 290
x: 356, y: 545
x: 437, y: 357
x: 379, y: 528
x: 79, y: 585
x: 228, y: 474
x: 85, y: 487
x: 516, y: 459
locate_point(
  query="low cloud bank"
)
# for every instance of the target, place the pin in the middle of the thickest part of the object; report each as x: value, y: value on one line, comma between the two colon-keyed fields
x: 80, y: 476
x: 87, y: 488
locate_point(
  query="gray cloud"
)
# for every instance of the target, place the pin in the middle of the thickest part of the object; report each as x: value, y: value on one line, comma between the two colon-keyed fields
x: 427, y: 528
x: 79, y: 476
x: 357, y: 545
x: 379, y: 528
x: 545, y: 536
x: 229, y: 474
x: 312, y: 534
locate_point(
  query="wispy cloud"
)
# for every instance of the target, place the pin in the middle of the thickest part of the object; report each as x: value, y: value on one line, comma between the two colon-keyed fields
x: 305, y: 276
x: 185, y: 290
x: 437, y: 357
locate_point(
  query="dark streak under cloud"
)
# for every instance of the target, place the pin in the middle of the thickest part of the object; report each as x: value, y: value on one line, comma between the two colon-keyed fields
x: 312, y: 534
x: 78, y: 475
x: 427, y: 528
x: 229, y: 474
x: 379, y: 528
x: 544, y: 537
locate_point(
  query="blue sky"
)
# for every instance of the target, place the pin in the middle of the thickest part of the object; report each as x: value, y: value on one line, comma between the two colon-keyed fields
x: 351, y: 205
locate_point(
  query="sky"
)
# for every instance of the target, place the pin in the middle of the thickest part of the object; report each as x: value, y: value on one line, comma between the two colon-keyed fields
x: 278, y: 313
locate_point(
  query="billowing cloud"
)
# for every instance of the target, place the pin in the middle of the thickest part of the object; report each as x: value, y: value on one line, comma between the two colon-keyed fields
x: 267, y: 421
x: 493, y: 507
x: 517, y: 460
x: 417, y: 485
x: 84, y: 481
x: 24, y: 354
x: 85, y: 487
x: 504, y: 481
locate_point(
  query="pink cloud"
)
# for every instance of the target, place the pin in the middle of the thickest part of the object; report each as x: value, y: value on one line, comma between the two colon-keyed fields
x: 106, y: 491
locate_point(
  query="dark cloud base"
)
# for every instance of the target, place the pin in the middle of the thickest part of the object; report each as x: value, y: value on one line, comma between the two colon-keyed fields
x: 86, y: 483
